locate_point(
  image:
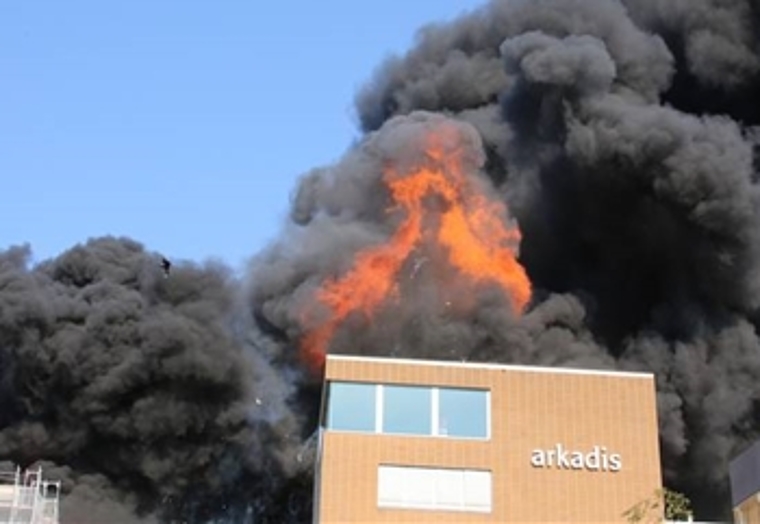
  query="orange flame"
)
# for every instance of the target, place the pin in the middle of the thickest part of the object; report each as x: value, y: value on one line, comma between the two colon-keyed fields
x: 471, y: 228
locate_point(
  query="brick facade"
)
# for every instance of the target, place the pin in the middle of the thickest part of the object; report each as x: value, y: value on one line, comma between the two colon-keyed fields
x: 531, y: 408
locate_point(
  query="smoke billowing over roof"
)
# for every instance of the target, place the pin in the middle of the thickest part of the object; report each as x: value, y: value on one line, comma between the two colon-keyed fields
x: 616, y: 143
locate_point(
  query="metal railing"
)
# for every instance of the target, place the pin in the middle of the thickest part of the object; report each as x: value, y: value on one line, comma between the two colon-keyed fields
x: 26, y: 498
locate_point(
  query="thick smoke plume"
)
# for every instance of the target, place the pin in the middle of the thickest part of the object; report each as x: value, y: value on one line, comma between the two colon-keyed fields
x: 144, y: 395
x: 621, y: 138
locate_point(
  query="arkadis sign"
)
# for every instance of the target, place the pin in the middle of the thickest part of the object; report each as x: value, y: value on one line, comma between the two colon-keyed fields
x: 558, y: 457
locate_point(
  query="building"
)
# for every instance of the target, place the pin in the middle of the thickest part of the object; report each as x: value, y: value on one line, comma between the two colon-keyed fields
x: 26, y: 498
x: 428, y: 441
x: 744, y: 475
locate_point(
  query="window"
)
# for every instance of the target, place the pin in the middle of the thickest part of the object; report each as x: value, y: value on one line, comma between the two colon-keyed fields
x: 351, y: 406
x: 431, y: 488
x: 407, y: 410
x: 477, y: 490
x: 463, y: 413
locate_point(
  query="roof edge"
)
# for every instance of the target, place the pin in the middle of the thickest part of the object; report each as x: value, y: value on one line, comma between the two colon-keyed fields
x: 491, y: 366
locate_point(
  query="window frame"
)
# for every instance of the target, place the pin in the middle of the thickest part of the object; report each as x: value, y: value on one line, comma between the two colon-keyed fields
x: 437, y: 413
x: 328, y: 405
x: 434, y: 406
x: 428, y: 390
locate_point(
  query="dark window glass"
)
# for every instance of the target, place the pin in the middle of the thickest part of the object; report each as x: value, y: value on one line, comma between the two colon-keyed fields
x: 463, y: 413
x: 351, y: 406
x: 407, y: 410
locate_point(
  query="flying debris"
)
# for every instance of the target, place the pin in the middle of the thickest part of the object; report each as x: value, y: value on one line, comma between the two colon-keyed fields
x: 417, y: 265
x: 166, y: 266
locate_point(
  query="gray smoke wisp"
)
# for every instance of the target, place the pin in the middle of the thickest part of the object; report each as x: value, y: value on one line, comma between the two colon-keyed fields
x: 622, y: 138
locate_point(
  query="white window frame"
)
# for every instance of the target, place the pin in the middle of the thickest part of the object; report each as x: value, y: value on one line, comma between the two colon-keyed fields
x: 379, y: 404
x: 435, y: 405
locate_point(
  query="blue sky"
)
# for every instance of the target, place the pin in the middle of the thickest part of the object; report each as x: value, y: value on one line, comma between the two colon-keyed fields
x: 183, y: 124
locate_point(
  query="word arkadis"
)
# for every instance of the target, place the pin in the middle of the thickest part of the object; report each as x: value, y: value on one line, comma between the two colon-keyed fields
x: 598, y: 459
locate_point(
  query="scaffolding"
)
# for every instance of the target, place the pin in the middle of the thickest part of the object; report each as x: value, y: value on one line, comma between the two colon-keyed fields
x: 26, y: 498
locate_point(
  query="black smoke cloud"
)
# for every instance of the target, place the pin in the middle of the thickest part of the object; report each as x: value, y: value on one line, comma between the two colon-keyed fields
x: 622, y: 137
x: 146, y: 396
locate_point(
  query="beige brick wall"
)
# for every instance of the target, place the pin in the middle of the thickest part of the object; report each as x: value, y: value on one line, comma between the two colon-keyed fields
x: 748, y: 512
x: 529, y: 410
